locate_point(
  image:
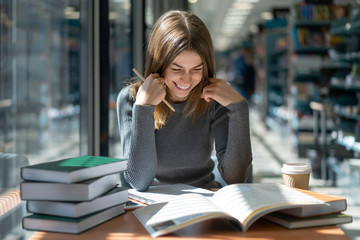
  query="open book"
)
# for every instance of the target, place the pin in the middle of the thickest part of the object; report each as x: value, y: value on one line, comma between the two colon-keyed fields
x: 241, y: 203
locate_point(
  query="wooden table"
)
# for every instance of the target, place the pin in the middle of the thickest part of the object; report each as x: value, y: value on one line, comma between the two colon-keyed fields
x: 127, y: 226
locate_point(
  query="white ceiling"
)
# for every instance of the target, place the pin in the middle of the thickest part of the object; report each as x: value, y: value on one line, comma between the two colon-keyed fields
x: 213, y: 13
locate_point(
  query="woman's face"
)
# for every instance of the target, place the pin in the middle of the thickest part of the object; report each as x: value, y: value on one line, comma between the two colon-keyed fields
x: 183, y: 74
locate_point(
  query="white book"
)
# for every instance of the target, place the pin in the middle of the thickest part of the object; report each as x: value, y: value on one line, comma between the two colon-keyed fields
x: 167, y: 192
x: 112, y: 198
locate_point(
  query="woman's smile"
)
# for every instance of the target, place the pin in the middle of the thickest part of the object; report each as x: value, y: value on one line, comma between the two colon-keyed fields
x: 182, y: 87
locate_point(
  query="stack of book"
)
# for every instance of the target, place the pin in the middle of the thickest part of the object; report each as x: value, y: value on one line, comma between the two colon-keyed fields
x: 332, y: 213
x: 72, y: 195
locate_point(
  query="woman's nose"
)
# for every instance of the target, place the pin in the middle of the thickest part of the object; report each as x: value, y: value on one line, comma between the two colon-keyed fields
x: 186, y: 78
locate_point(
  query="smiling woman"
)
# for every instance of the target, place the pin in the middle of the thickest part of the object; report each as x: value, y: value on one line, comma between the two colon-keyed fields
x: 175, y: 147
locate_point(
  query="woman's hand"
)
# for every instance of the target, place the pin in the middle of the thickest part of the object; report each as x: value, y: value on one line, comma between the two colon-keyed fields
x: 152, y: 91
x: 220, y: 91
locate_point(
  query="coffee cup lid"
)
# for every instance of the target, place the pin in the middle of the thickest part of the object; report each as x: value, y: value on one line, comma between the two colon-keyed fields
x: 295, y: 168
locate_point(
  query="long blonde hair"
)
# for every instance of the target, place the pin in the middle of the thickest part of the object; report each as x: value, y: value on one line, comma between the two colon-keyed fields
x: 174, y: 32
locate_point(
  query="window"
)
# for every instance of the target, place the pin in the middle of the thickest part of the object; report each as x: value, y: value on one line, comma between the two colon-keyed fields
x: 43, y: 62
x: 120, y: 64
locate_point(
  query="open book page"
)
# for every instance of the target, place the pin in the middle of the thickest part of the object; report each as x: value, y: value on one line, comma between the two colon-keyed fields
x: 248, y: 202
x: 165, y: 193
x: 162, y: 218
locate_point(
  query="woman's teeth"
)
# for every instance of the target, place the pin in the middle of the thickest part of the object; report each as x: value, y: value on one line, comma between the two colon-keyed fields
x: 182, y: 87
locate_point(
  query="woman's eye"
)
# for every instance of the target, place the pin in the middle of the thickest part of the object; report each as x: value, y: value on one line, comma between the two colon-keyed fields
x: 176, y: 70
x: 197, y: 69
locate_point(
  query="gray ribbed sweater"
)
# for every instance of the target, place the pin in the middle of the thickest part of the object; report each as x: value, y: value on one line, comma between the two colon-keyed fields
x: 180, y: 151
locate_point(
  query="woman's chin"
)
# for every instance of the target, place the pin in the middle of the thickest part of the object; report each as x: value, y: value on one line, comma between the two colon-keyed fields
x: 179, y: 97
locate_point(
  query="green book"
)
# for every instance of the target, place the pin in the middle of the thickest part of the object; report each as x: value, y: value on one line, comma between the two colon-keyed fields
x: 292, y: 222
x: 72, y: 170
x: 40, y: 222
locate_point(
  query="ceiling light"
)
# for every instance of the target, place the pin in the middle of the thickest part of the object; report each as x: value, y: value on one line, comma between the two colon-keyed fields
x: 237, y: 11
x: 73, y: 15
x: 242, y: 5
x: 69, y: 10
x: 113, y: 15
x: 254, y: 29
x: 266, y: 15
x: 248, y: 1
x: 126, y: 5
x: 232, y: 21
x: 232, y: 26
x: 192, y: 1
x: 347, y: 26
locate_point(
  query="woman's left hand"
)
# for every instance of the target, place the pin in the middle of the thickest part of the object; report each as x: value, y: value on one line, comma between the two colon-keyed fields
x: 222, y: 92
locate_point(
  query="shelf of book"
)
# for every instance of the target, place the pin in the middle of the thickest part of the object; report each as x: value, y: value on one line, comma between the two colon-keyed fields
x: 279, y: 51
x: 343, y: 88
x: 311, y: 49
x: 273, y: 66
x: 311, y: 23
x: 309, y: 27
x: 349, y: 143
x: 344, y: 113
x: 340, y: 27
x: 307, y: 77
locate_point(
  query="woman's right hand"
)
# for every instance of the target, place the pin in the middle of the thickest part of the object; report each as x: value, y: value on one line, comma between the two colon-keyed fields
x: 152, y: 91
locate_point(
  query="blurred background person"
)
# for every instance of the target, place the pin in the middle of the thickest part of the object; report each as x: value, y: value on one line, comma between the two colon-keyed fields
x: 244, y: 73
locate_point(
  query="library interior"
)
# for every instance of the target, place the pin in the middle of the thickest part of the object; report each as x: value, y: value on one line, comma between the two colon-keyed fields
x: 63, y: 64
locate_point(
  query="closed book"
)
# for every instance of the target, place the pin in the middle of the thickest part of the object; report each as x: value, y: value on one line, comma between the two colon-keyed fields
x: 334, y: 204
x: 40, y: 222
x: 112, y: 198
x: 292, y: 222
x: 82, y: 191
x: 72, y: 170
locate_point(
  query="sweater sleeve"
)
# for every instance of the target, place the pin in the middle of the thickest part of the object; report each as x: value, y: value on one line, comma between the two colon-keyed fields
x: 137, y: 136
x: 232, y: 142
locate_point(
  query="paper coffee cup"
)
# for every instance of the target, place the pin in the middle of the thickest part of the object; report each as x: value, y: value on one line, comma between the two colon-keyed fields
x: 296, y: 175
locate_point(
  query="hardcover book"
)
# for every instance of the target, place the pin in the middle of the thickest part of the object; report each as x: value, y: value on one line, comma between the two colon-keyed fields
x: 82, y: 191
x: 292, y: 222
x: 73, y: 169
x: 112, y: 198
x: 334, y: 204
x: 40, y: 222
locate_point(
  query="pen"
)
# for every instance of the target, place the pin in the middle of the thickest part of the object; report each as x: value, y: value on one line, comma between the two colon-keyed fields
x: 164, y: 100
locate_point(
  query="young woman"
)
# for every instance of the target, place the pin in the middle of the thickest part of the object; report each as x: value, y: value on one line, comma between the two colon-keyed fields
x: 166, y: 147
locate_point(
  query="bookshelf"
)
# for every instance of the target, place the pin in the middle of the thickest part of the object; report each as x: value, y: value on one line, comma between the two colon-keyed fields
x: 308, y: 27
x: 271, y: 63
x: 310, y: 24
x: 344, y: 95
x: 277, y: 70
